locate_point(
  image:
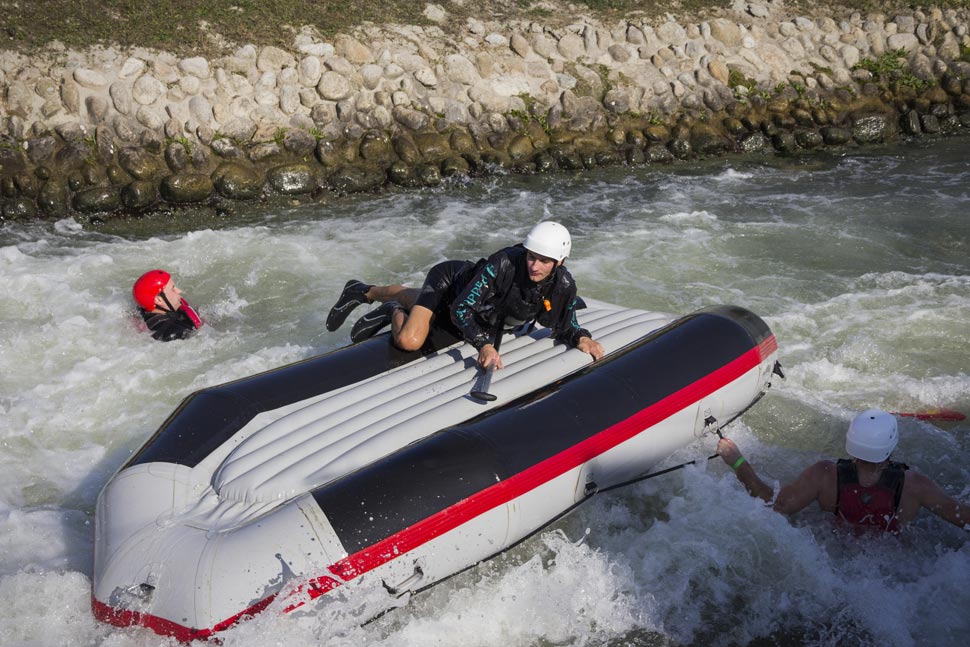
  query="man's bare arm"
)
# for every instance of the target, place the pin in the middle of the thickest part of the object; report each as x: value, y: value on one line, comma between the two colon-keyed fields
x: 934, y: 499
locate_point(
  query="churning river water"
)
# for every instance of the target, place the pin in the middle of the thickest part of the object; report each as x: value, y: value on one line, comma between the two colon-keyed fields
x: 858, y: 262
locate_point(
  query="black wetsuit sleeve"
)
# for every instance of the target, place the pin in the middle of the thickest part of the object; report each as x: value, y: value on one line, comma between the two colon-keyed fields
x: 567, y: 328
x: 168, y: 326
x: 474, y: 309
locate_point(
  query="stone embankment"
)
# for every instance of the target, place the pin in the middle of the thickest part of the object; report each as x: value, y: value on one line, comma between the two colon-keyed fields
x: 105, y: 132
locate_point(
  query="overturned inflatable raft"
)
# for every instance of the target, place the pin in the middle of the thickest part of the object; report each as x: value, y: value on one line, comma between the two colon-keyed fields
x: 371, y: 465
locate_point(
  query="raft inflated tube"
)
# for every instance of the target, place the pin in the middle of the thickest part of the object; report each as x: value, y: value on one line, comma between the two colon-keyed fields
x: 424, y: 511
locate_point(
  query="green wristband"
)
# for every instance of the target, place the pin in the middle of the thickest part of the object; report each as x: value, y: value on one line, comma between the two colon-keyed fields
x: 738, y: 463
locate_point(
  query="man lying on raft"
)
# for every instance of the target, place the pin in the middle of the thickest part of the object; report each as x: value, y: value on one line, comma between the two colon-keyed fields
x: 513, y: 286
x: 161, y: 305
x: 867, y: 490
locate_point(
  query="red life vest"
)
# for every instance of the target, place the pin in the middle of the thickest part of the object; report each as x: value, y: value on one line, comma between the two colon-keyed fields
x: 190, y: 313
x: 876, y: 506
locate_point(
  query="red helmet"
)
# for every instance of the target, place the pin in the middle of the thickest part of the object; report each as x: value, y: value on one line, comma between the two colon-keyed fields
x: 148, y: 286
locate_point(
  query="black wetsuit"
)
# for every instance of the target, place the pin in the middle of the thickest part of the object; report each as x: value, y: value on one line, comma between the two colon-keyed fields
x: 166, y: 326
x: 497, y: 292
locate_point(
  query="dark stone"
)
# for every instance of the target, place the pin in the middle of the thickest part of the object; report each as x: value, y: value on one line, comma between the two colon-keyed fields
x: 608, y: 158
x: 835, y: 136
x: 680, y: 147
x: 139, y: 164
x: 293, y: 179
x: 299, y: 142
x: 474, y: 161
x: 432, y: 146
x: 769, y: 128
x: 176, y: 157
x: 567, y: 158
x: 951, y: 84
x: 657, y: 133
x: 871, y: 128
x: 500, y: 141
x: 461, y: 142
x: 941, y: 110
x: 635, y: 156
x: 151, y: 141
x: 428, y: 175
x: 784, y: 121
x: 658, y: 154
x: 501, y: 159
x: 821, y: 117
x: 139, y: 195
x: 19, y: 209
x: 965, y: 119
x: 616, y: 136
x: 353, y: 179
x: 237, y: 181
x: 375, y: 147
x: 750, y: 123
x: 803, y: 118
x: 454, y: 165
x: 105, y: 143
x: 545, y: 162
x: 116, y: 175
x: 734, y: 127
x: 930, y: 123
x: 266, y: 152
x: 41, y: 149
x: 8, y: 187
x: 808, y: 139
x: 226, y: 149
x: 42, y: 173
x: 950, y: 125
x: 402, y: 174
x: 910, y: 123
x: 707, y: 141
x: 754, y: 142
x: 329, y: 153
x: 11, y: 160
x: 185, y: 188
x: 26, y: 184
x: 70, y: 155
x: 54, y: 198
x: 784, y: 142
x: 74, y: 180
x: 520, y: 148
x: 93, y: 174
x: 406, y: 149
x: 99, y: 199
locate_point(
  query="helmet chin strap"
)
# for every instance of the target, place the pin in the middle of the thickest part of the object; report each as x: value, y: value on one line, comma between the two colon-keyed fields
x: 167, y: 302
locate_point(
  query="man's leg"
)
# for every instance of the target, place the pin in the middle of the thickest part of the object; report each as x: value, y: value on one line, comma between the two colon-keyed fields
x: 357, y: 293
x: 368, y: 325
x: 384, y: 293
x: 410, y: 329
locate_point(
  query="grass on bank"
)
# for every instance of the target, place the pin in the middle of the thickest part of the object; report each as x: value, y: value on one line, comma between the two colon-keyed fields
x: 214, y: 27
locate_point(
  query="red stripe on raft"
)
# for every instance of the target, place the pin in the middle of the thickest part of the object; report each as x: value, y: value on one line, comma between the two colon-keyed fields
x: 543, y: 472
x: 768, y: 347
x: 467, y: 509
x: 164, y: 627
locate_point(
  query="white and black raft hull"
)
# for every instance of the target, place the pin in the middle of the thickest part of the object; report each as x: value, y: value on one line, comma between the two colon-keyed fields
x: 370, y: 467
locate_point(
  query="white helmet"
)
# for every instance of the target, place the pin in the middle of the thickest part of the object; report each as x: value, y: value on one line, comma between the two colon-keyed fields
x: 549, y: 239
x: 872, y: 436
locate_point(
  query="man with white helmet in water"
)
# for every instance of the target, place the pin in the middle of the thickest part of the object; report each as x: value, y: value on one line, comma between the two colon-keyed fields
x: 166, y: 314
x: 867, y: 490
x: 514, y: 286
